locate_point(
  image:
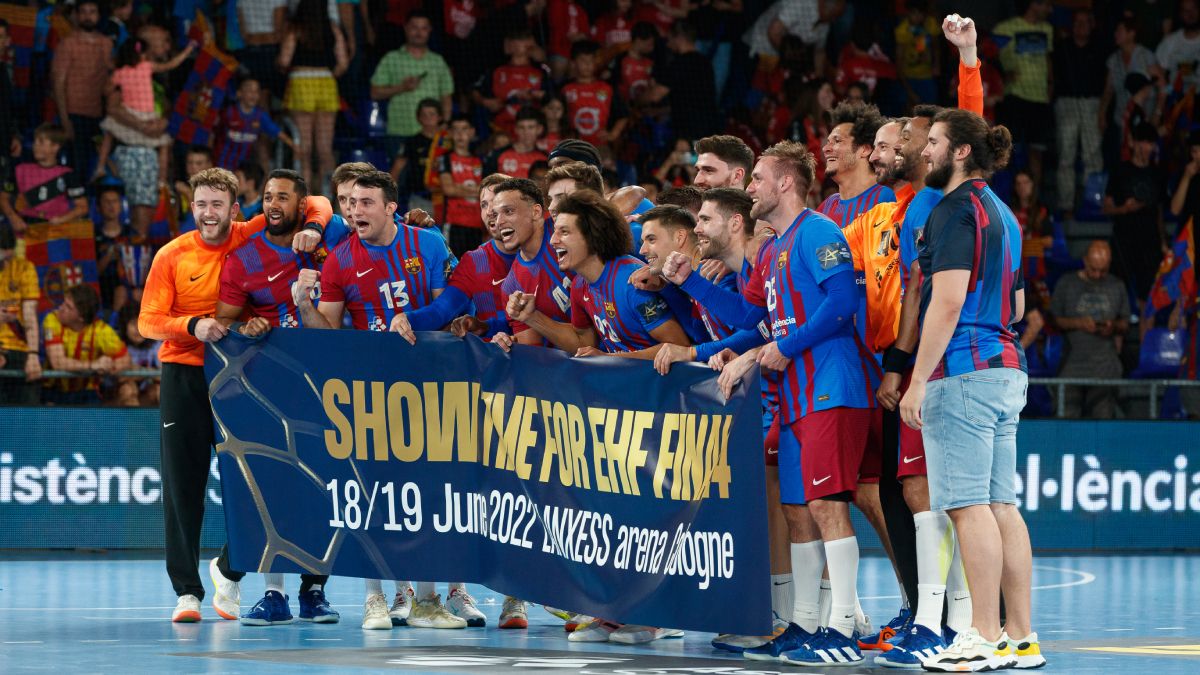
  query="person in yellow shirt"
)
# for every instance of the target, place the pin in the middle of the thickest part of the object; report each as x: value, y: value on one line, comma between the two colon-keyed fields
x: 918, y: 55
x: 77, y: 341
x: 19, y: 339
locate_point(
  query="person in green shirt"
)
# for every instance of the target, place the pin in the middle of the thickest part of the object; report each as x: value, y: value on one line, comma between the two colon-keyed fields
x: 1026, y: 42
x: 407, y: 75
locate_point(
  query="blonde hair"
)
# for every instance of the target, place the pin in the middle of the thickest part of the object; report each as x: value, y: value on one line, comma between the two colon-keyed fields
x: 216, y: 179
x: 795, y: 159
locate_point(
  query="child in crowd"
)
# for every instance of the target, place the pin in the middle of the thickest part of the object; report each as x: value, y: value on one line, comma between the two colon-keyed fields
x: 242, y: 123
x: 594, y: 112
x: 43, y: 190
x: 460, y: 173
x: 143, y: 352
x: 250, y: 183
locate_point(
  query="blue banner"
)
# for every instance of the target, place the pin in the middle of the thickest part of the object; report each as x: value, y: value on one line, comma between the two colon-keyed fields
x: 590, y: 484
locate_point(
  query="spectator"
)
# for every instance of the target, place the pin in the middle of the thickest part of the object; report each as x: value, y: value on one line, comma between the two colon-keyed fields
x: 197, y: 159
x: 116, y: 26
x: 1037, y: 235
x: 43, y: 190
x: 1092, y: 308
x: 1129, y: 57
x: 686, y: 82
x: 410, y: 168
x: 407, y: 76
x: 1185, y: 203
x: 19, y: 340
x: 518, y: 83
x: 250, y: 183
x: 463, y: 22
x: 82, y: 61
x: 111, y: 232
x: 918, y: 53
x: 555, y: 110
x: 806, y: 19
x: 678, y: 169
x: 1141, y: 108
x: 460, y: 173
x: 538, y: 171
x: 615, y: 26
x: 78, y: 341
x: 10, y: 139
x: 568, y: 25
x: 1079, y: 86
x: 863, y: 64
x: 517, y: 159
x: 594, y: 113
x: 635, y: 69
x: 810, y: 122
x: 663, y: 13
x: 241, y: 125
x: 1153, y: 18
x: 143, y: 355
x: 718, y: 24
x: 1179, y: 52
x: 1133, y: 200
x: 1026, y: 42
x: 263, y: 25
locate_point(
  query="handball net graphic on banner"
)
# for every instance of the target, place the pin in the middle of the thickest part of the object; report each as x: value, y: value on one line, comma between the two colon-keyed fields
x: 593, y: 484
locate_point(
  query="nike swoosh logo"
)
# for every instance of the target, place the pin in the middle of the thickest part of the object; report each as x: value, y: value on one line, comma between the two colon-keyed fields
x: 198, y: 276
x: 939, y: 593
x: 782, y: 583
x: 773, y: 451
x: 586, y: 299
x: 363, y: 274
x: 910, y: 460
x: 168, y: 424
x: 818, y: 482
x: 496, y: 282
x: 273, y: 277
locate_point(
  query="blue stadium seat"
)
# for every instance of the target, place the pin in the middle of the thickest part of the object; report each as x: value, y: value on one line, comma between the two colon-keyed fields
x: 375, y: 119
x: 1091, y: 207
x: 1161, y: 354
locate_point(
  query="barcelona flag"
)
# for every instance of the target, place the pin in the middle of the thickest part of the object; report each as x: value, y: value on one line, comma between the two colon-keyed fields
x: 1176, y: 280
x: 65, y: 255
x: 199, y: 106
x: 22, y: 23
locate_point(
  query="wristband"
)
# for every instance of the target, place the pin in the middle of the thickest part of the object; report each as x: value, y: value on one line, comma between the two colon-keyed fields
x: 895, y: 360
x: 192, y: 325
x: 315, y: 227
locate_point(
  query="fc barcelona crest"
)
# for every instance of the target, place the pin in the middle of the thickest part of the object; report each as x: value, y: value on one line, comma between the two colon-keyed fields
x: 610, y: 309
x: 783, y: 258
x: 412, y: 265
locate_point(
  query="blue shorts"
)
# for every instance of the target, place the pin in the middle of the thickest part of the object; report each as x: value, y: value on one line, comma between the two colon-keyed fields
x: 791, y: 477
x: 970, y: 435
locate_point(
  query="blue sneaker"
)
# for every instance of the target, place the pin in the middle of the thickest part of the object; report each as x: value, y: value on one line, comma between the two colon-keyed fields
x: 828, y: 648
x: 272, y: 610
x: 791, y: 638
x: 948, y: 635
x: 315, y: 608
x: 918, y: 644
x: 896, y: 626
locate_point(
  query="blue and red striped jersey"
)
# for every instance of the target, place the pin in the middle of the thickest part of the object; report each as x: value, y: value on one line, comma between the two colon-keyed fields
x: 971, y: 229
x: 480, y: 276
x: 844, y: 211
x: 915, y: 218
x: 238, y: 133
x: 622, y: 314
x: 718, y: 330
x: 542, y: 278
x: 835, y: 373
x: 376, y: 282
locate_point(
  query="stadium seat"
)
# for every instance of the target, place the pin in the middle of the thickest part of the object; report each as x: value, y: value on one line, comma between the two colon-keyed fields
x: 1091, y: 207
x: 1161, y: 354
x: 375, y: 119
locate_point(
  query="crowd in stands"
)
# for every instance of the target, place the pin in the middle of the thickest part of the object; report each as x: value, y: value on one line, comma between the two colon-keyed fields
x: 443, y: 93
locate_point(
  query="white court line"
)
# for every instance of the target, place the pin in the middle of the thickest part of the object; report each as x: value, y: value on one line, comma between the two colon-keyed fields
x: 1116, y: 630
x: 128, y: 618
x: 82, y: 609
x: 470, y: 638
x: 1171, y: 628
x: 99, y: 640
x: 392, y: 639
x: 1061, y: 631
x: 24, y: 642
x: 322, y: 639
x: 1084, y: 578
x: 177, y: 640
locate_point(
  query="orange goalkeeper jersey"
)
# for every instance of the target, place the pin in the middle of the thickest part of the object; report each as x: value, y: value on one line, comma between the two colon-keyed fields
x: 184, y: 283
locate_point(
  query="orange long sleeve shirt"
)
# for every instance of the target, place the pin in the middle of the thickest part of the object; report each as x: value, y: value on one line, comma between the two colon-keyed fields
x: 184, y: 284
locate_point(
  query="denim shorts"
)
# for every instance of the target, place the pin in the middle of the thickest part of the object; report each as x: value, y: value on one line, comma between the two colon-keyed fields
x: 970, y: 434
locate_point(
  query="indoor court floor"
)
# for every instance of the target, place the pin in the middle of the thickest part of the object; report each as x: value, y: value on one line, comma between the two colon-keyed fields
x: 97, y: 613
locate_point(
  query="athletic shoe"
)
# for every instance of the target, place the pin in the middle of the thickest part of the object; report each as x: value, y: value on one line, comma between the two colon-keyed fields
x: 401, y: 606
x: 187, y: 610
x: 1029, y: 652
x: 912, y: 648
x: 631, y: 634
x: 737, y: 644
x: 315, y: 608
x: 970, y: 652
x: 793, y: 637
x: 272, y: 610
x: 576, y: 622
x: 428, y: 612
x: 559, y: 613
x: 897, y: 626
x: 227, y: 595
x: 514, y: 614
x: 461, y: 604
x: 828, y: 648
x: 948, y: 635
x: 597, y: 630
x: 375, y: 613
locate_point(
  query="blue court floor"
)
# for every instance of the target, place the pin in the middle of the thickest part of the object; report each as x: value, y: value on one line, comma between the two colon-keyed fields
x: 97, y: 614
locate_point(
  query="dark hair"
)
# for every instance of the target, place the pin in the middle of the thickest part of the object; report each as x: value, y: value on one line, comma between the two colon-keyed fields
x: 731, y: 202
x: 52, y: 132
x: 252, y: 171
x: 129, y: 54
x: 540, y: 165
x: 4, y: 24
x: 1128, y: 23
x: 492, y: 180
x: 684, y: 29
x: 864, y: 118
x: 348, y: 172
x: 81, y: 3
x: 926, y: 110
x: 586, y: 176
x: 201, y: 150
x: 529, y: 190
x: 310, y: 23
x: 298, y: 183
x: 584, y: 47
x: 689, y: 197
x: 383, y: 181
x: 246, y: 77
x: 519, y: 33
x: 644, y: 30
x: 106, y: 188
x: 129, y: 313
x: 429, y: 103
x: 418, y: 14
x: 990, y: 147
x: 529, y: 112
x: 671, y: 217
x: 8, y: 239
x: 1144, y: 131
x: 601, y: 224
x: 87, y: 301
x: 729, y: 149
x: 461, y: 117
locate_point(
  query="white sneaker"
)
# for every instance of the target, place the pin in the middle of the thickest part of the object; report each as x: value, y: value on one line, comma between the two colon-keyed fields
x: 401, y: 606
x: 571, y: 620
x: 187, y: 610
x: 1029, y: 652
x: 514, y: 614
x: 461, y: 604
x: 970, y: 652
x: 375, y: 613
x: 630, y: 634
x: 227, y: 595
x: 863, y: 625
x: 598, y: 630
x: 737, y: 644
x: 429, y: 612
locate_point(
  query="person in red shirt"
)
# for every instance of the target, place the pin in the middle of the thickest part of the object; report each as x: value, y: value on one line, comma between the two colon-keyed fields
x: 594, y: 112
x: 615, y: 27
x: 663, y: 13
x: 568, y: 25
x: 518, y: 83
x: 555, y: 110
x: 516, y: 159
x: 634, y: 74
x: 863, y: 61
x: 460, y: 173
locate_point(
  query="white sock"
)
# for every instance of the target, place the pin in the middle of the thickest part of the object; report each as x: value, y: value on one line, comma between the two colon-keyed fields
x: 274, y: 582
x: 958, y: 595
x: 783, y: 596
x: 826, y: 601
x: 808, y: 560
x: 403, y: 586
x: 316, y: 587
x: 935, y: 548
x: 374, y: 587
x: 425, y: 590
x: 904, y: 601
x: 842, y: 555
x: 455, y: 585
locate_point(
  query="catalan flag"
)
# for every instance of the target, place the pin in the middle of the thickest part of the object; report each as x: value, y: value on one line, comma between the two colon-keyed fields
x: 199, y: 106
x: 65, y: 255
x: 1176, y: 280
x: 22, y: 23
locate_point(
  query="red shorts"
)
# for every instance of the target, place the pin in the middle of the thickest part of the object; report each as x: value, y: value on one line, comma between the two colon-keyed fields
x: 872, y: 461
x: 911, y: 461
x: 832, y: 445
x: 771, y: 444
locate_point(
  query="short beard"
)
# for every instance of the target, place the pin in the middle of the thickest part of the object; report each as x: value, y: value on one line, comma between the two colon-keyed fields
x: 940, y: 175
x: 890, y: 175
x: 285, y: 226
